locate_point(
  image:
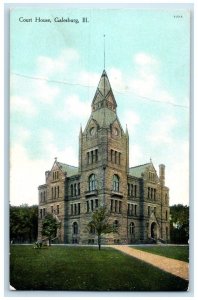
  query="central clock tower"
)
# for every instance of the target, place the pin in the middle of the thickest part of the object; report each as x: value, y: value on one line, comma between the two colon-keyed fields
x: 104, y: 163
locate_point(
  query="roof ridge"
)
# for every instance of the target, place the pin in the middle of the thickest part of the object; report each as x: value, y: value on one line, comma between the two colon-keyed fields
x: 140, y: 165
x: 67, y: 164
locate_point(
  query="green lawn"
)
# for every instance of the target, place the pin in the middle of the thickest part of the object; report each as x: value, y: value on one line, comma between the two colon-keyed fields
x: 176, y: 252
x: 85, y: 269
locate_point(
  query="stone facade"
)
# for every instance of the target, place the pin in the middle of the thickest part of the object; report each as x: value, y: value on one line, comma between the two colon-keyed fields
x: 136, y: 197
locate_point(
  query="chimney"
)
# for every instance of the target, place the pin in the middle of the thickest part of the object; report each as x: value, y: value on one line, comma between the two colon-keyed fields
x: 162, y: 174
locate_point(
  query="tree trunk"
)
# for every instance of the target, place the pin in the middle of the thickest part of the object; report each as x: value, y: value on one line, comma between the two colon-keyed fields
x: 99, y: 242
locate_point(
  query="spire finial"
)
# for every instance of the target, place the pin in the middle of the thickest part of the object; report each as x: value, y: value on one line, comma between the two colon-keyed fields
x: 104, y: 51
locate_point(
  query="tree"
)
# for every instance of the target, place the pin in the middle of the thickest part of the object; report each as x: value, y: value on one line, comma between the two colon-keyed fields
x: 179, y: 223
x: 100, y: 223
x: 23, y: 223
x: 49, y: 227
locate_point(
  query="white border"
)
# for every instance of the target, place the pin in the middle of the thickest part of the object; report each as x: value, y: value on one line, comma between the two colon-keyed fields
x: 4, y: 157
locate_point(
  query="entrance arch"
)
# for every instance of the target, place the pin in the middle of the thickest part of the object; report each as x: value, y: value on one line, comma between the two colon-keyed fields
x: 154, y: 230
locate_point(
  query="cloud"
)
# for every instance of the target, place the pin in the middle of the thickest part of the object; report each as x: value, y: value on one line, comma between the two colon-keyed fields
x: 131, y: 118
x: 47, y: 66
x: 161, y: 130
x: 23, y: 105
x: 75, y: 108
x: 26, y: 174
x: 144, y: 59
x: 45, y: 92
x: 177, y: 175
x: 145, y: 81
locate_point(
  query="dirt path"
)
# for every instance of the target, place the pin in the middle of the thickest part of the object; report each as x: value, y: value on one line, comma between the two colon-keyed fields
x: 173, y: 266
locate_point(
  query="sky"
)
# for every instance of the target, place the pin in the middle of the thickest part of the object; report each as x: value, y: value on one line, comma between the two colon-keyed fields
x: 55, y: 68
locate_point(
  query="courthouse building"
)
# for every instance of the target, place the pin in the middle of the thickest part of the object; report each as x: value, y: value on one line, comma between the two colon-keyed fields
x: 136, y: 197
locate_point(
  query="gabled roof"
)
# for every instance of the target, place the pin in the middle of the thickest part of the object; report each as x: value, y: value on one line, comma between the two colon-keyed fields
x: 70, y: 170
x: 138, y: 170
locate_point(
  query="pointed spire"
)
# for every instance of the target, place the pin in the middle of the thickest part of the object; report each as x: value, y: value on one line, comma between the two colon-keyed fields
x: 126, y: 130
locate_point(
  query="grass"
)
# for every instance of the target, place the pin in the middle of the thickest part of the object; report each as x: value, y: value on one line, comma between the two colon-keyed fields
x: 85, y: 269
x: 176, y: 252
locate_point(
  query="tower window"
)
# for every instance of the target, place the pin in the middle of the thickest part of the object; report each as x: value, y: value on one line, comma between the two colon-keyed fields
x: 92, y: 182
x: 132, y: 228
x: 116, y: 183
x: 75, y: 228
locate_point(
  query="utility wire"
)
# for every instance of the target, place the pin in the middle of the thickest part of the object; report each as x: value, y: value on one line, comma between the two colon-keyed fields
x: 93, y: 86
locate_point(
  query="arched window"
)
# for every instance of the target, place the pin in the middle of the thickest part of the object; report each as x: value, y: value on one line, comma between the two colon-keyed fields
x: 72, y: 190
x: 92, y: 182
x: 116, y: 183
x: 132, y: 228
x: 75, y: 228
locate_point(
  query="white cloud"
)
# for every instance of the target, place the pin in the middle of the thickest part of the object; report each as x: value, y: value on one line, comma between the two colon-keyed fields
x: 74, y: 108
x: 161, y: 131
x: 22, y: 105
x: 135, y: 155
x: 131, y: 118
x: 88, y: 78
x: 145, y: 81
x: 26, y: 174
x: 48, y: 66
x: 45, y: 92
x: 177, y: 175
x: 143, y: 59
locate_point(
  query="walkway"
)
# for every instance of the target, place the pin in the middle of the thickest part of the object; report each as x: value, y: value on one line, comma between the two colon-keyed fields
x: 170, y: 265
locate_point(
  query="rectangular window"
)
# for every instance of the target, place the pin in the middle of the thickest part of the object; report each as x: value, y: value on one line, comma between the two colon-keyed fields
x: 78, y: 188
x: 135, y: 190
x: 111, y: 205
x: 58, y: 191
x: 87, y: 157
x: 119, y: 158
x: 135, y: 210
x: 151, y: 193
x: 116, y: 203
x: 120, y: 207
x: 148, y: 196
x: 131, y: 189
x: 75, y: 209
x: 79, y: 208
x: 111, y: 155
x: 92, y: 157
x: 87, y: 206
x: 96, y: 155
x: 72, y: 210
x: 92, y: 206
x: 128, y: 209
x: 154, y: 194
x: 41, y: 212
x: 57, y: 209
x: 132, y: 209
x: 115, y: 157
x: 96, y: 203
x: 74, y: 189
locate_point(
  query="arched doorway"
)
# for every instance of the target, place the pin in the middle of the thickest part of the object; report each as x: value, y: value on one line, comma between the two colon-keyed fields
x: 154, y: 230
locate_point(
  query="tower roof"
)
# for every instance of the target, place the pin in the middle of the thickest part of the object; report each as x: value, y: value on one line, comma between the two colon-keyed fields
x: 104, y: 92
